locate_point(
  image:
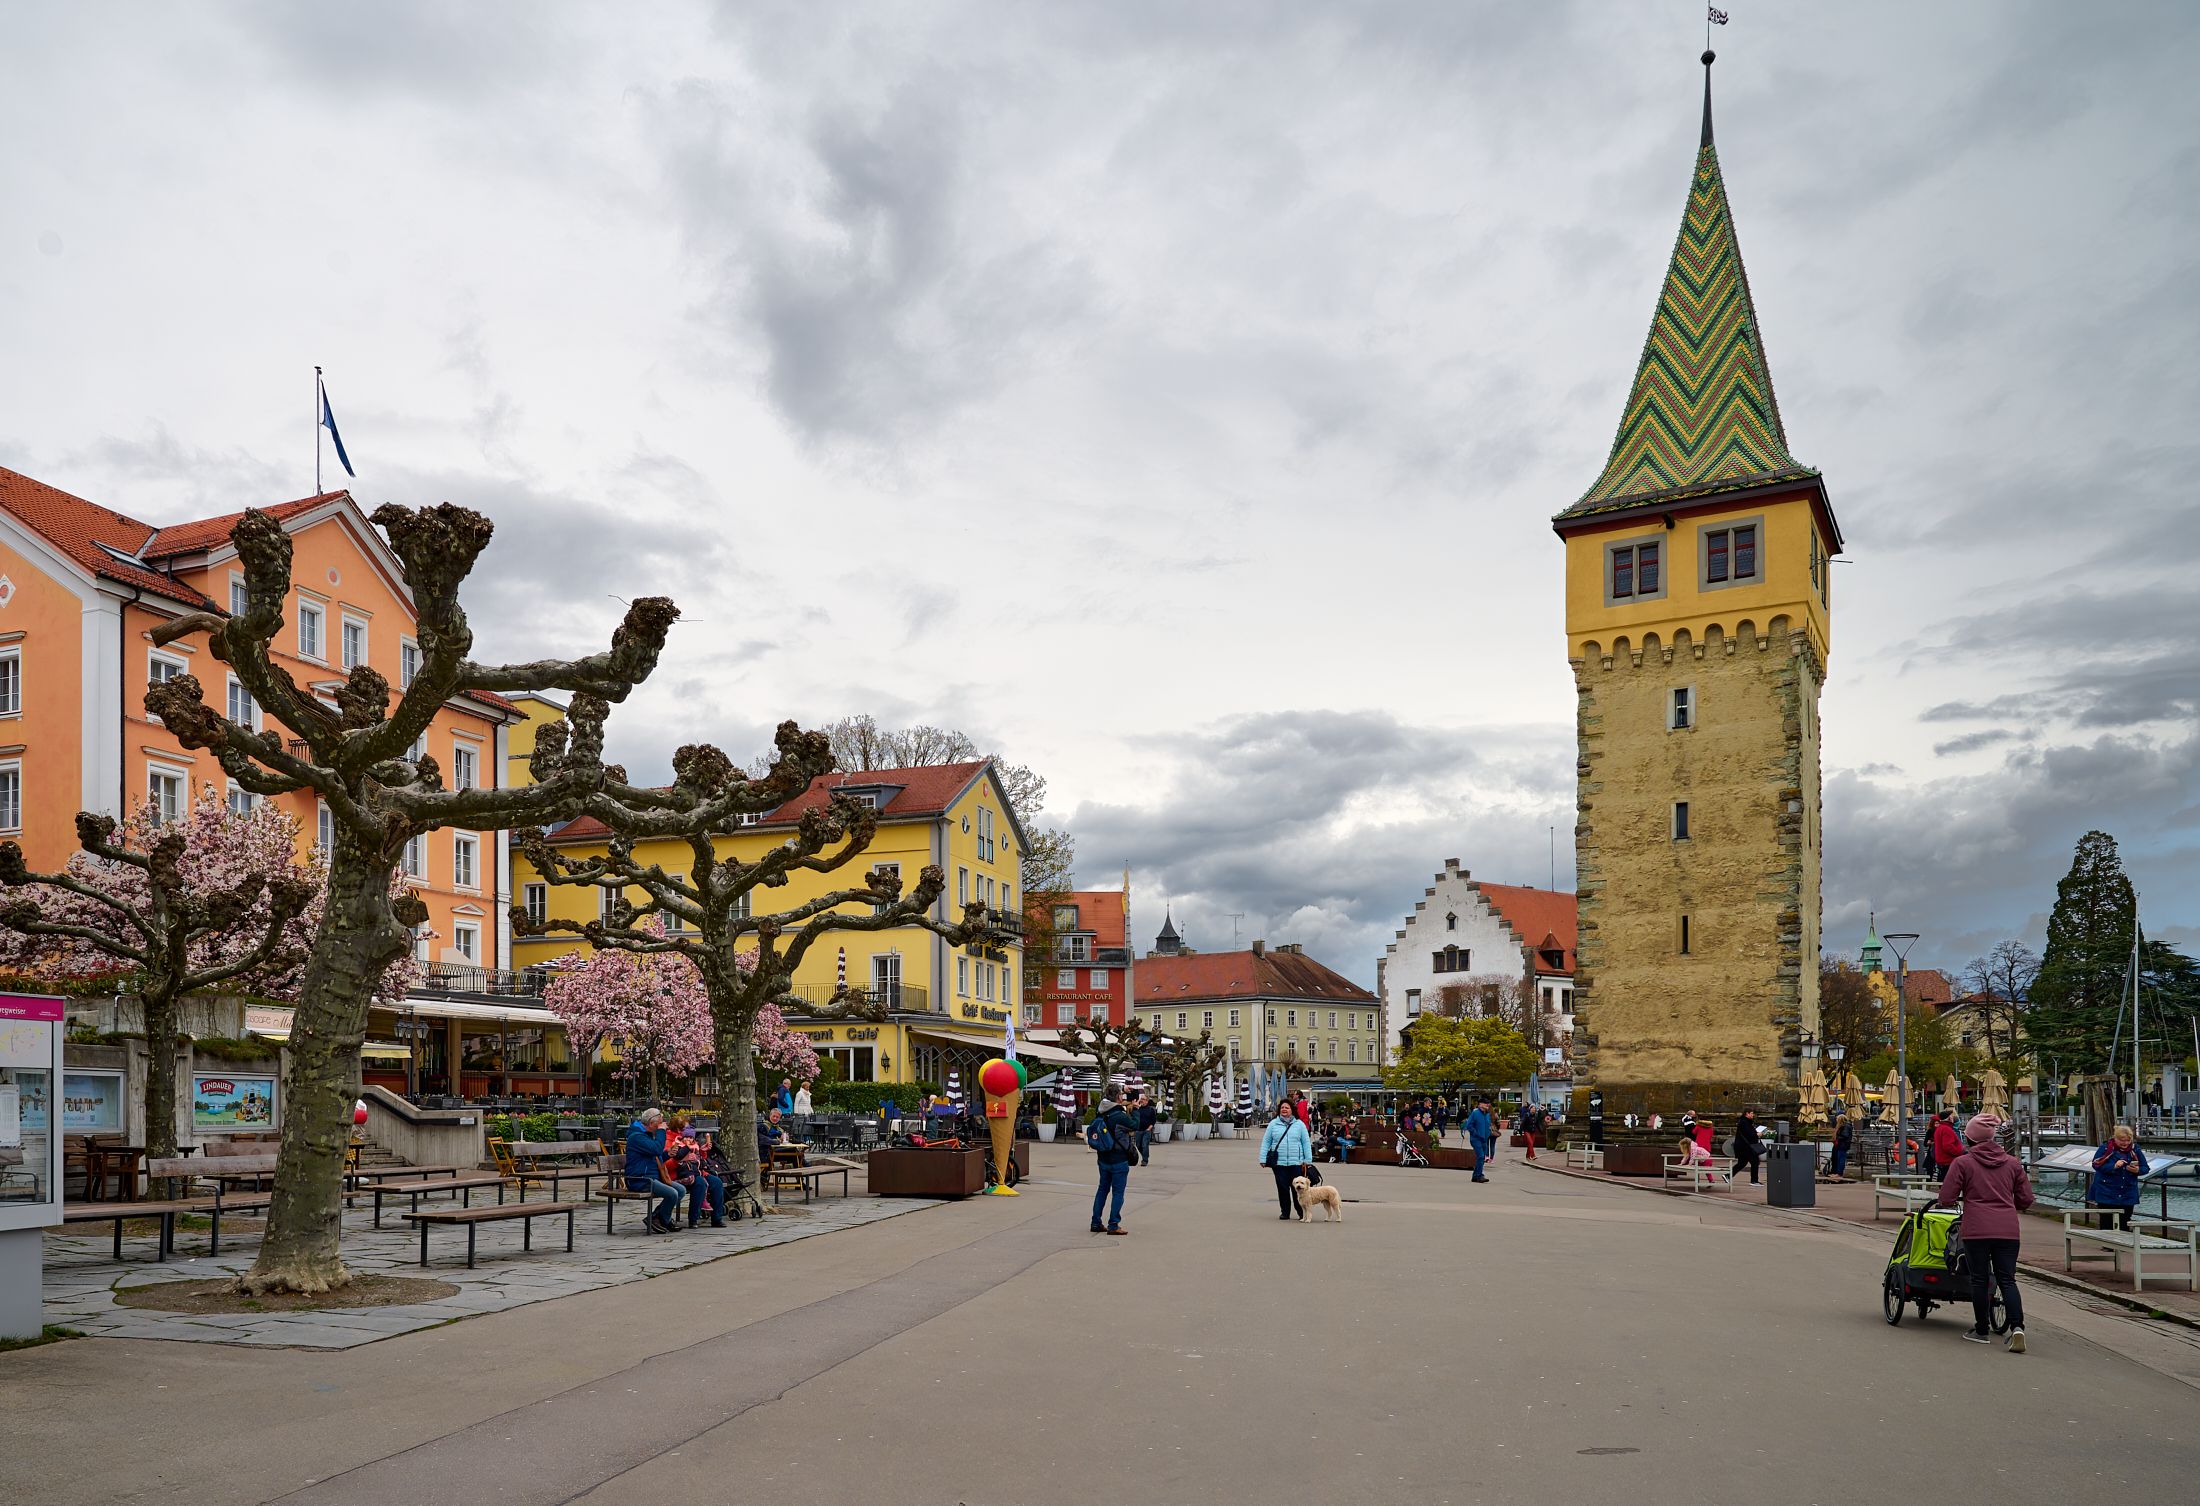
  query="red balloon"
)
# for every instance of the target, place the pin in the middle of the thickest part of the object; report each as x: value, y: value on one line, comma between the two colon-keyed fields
x: 358, y: 1113
x: 999, y: 1080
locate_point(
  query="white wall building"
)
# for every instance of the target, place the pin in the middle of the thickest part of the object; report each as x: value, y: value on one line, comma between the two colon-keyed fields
x: 1462, y: 929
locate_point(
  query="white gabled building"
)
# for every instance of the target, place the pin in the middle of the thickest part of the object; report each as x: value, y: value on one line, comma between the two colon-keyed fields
x: 1463, y: 929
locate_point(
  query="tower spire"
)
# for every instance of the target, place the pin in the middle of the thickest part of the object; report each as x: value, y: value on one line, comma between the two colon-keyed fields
x: 1709, y: 57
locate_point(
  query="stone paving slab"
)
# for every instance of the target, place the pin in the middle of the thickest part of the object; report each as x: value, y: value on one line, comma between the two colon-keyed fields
x: 81, y: 1277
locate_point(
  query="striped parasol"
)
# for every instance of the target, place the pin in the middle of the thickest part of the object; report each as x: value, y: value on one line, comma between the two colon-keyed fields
x: 840, y: 973
x: 1218, y: 1093
x: 1065, y: 1097
x: 954, y: 1087
x: 1245, y: 1095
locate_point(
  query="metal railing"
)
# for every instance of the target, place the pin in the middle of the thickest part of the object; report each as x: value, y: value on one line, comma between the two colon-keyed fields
x: 492, y: 982
x: 898, y: 996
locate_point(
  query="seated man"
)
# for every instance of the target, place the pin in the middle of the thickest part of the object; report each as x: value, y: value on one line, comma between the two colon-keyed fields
x: 645, y: 1158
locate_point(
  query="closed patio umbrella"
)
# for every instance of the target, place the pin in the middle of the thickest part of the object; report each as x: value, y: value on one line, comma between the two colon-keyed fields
x: 1993, y: 1094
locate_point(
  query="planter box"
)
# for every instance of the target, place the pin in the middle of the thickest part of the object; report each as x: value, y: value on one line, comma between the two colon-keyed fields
x: 1635, y: 1160
x: 1046, y: 1131
x: 1447, y: 1158
x: 927, y: 1173
x: 1372, y: 1155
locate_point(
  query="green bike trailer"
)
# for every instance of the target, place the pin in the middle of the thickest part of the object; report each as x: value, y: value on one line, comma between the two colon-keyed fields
x: 1927, y: 1267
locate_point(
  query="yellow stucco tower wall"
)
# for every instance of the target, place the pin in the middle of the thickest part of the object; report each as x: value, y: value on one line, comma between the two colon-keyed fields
x: 1698, y: 624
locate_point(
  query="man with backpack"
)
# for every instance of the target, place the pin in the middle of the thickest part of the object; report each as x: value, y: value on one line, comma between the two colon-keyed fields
x: 1113, y: 1137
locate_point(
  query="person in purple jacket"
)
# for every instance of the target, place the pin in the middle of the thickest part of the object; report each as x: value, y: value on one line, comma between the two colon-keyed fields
x: 1994, y: 1190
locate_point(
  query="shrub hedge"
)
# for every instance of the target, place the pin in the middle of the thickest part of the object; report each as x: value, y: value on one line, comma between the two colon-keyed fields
x: 865, y: 1097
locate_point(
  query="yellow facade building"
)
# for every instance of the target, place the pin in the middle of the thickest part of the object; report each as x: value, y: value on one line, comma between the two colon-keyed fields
x: 943, y: 1003
x: 1698, y: 626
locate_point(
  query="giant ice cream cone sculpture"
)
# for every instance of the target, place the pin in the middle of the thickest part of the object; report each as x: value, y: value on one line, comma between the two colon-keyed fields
x: 1002, y: 1080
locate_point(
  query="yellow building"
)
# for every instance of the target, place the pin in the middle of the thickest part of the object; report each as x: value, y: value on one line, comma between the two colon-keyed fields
x: 945, y: 1003
x: 1698, y: 626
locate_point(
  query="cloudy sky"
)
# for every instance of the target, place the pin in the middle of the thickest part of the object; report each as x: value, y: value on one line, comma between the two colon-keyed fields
x: 1176, y: 397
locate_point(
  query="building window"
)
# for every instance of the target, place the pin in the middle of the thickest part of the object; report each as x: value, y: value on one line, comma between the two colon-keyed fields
x: 985, y: 835
x: 238, y: 599
x: 1065, y: 977
x: 1636, y: 572
x: 1332, y: 1051
x: 1413, y: 1001
x: 324, y: 828
x: 416, y: 858
x: 1271, y: 1017
x: 962, y: 886
x: 1680, y: 820
x: 465, y: 767
x: 161, y: 668
x: 1351, y: 1051
x: 892, y: 870
x: 1684, y: 936
x: 466, y: 862
x: 607, y: 900
x: 241, y: 801
x: 1233, y: 1019
x: 1451, y: 922
x: 1332, y: 1019
x: 466, y: 941
x: 1290, y: 1017
x: 408, y: 663
x: 1031, y: 1014
x: 165, y: 789
x: 1451, y: 959
x: 535, y: 900
x: 1729, y: 554
x: 1680, y: 712
x: 1237, y: 1047
x: 1065, y: 917
x: 11, y: 682
x: 11, y: 797
x: 962, y: 976
x: 241, y: 709
x: 1271, y: 1048
x: 355, y: 642
x: 985, y: 980
x: 1181, y: 1018
x: 1206, y: 1019
x: 310, y: 618
x: 741, y: 904
x: 1099, y: 977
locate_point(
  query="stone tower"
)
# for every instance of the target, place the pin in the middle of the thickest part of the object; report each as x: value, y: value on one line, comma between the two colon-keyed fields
x: 1697, y: 624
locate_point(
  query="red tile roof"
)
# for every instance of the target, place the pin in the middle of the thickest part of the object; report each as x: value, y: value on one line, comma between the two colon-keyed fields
x: 924, y: 792
x: 1269, y: 974
x: 1929, y: 985
x: 190, y: 538
x: 1543, y: 919
x: 78, y: 528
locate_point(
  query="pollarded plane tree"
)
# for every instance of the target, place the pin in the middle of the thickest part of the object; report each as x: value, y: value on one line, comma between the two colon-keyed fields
x: 354, y: 748
x: 219, y: 898
x: 1114, y: 1049
x: 710, y: 913
x: 1186, y: 1064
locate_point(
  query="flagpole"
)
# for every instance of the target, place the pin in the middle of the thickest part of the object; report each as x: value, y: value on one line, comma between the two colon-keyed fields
x: 318, y: 400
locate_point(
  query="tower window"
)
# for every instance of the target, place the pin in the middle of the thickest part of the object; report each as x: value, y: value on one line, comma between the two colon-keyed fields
x: 1680, y: 820
x: 1635, y: 571
x: 1728, y: 554
x: 1681, y: 714
x: 1451, y: 922
x: 1684, y: 935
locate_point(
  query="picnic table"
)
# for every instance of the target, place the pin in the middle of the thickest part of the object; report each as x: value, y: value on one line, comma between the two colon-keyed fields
x: 464, y: 1186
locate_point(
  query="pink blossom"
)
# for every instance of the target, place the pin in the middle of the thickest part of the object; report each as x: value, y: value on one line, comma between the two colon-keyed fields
x: 650, y: 1007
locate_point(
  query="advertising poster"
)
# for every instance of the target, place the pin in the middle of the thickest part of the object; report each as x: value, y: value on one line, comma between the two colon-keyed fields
x: 91, y: 1103
x: 232, y: 1103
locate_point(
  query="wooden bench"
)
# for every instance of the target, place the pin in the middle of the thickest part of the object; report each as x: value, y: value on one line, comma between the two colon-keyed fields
x: 1699, y: 1176
x: 554, y: 1163
x: 115, y: 1213
x: 807, y: 1177
x: 615, y: 1191
x: 463, y: 1186
x: 1582, y: 1156
x: 473, y: 1218
x: 2177, y: 1242
x: 1906, y: 1193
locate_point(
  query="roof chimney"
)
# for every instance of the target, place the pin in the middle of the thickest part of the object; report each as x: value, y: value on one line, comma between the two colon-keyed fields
x: 1259, y: 947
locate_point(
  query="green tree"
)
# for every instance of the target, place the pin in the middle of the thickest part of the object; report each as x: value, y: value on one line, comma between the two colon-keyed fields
x: 1446, y: 1053
x: 2081, y: 982
x: 1850, y: 1015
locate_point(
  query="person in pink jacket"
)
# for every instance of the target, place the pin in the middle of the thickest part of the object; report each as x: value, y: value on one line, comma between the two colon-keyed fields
x: 1994, y: 1190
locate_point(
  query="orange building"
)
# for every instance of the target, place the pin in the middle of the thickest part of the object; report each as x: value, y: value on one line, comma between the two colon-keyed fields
x: 82, y: 588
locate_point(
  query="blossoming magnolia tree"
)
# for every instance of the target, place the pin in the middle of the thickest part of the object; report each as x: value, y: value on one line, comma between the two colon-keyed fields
x: 221, y: 899
x: 652, y: 1009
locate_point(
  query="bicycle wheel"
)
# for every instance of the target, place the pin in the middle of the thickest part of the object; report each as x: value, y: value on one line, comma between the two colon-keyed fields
x: 1891, y: 1299
x: 1014, y: 1174
x: 1999, y: 1313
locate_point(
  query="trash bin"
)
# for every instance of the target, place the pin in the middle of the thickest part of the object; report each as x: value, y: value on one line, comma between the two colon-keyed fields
x: 1791, y: 1179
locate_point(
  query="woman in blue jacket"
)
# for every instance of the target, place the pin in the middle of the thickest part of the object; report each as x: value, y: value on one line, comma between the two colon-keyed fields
x: 1287, y: 1151
x: 2117, y: 1167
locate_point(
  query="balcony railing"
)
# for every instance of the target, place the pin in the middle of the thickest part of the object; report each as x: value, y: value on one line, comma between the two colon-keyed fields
x: 494, y: 982
x: 1005, y: 923
x: 896, y: 996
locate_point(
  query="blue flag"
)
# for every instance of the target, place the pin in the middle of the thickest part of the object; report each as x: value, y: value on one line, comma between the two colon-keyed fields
x: 328, y: 421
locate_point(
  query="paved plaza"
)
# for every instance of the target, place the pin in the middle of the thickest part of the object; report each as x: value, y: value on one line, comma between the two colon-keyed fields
x: 1539, y: 1338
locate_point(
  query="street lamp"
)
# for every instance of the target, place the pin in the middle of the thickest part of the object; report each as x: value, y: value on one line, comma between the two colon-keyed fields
x: 1901, y: 941
x: 1836, y: 1053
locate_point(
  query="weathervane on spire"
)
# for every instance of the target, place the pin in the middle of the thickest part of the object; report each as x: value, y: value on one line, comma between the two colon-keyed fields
x: 1713, y: 17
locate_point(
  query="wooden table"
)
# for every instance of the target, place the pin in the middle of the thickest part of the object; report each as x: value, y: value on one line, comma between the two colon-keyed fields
x: 122, y: 1162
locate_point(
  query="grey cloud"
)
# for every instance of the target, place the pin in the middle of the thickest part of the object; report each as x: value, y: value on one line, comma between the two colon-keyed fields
x: 1971, y: 742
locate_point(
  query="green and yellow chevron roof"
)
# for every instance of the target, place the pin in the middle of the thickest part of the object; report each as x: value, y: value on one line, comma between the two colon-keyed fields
x: 1701, y: 417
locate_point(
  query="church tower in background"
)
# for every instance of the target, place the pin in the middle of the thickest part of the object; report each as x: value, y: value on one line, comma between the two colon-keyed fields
x: 1698, y: 600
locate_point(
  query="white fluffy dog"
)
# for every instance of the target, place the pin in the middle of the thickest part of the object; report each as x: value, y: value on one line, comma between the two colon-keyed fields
x: 1311, y: 1197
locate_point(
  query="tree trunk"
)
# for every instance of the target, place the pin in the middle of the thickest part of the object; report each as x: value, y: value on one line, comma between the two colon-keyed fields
x: 737, y: 1099
x: 2100, y: 1094
x: 359, y: 938
x: 160, y: 1083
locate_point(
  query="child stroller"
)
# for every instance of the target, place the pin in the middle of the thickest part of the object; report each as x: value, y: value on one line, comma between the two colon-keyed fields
x: 1927, y: 1268
x: 1409, y: 1154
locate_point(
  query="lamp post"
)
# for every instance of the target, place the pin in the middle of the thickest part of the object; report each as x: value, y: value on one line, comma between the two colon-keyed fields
x: 1837, y: 1053
x: 1901, y: 941
x: 1807, y: 1049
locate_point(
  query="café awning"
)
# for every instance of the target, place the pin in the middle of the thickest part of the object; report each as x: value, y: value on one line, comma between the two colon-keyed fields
x: 385, y: 1051
x: 991, y: 1041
